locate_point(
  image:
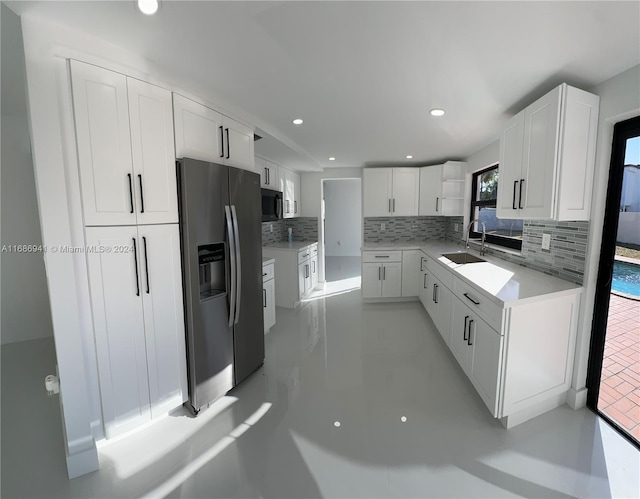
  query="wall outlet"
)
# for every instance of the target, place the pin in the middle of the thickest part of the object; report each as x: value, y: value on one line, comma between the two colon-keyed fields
x: 270, y: 227
x: 455, y: 227
x: 382, y: 226
x: 546, y: 241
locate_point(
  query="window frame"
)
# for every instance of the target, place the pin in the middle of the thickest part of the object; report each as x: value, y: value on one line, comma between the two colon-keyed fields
x: 506, y: 242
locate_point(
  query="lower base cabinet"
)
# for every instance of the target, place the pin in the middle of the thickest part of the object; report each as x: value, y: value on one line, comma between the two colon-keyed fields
x: 382, y: 280
x: 136, y: 297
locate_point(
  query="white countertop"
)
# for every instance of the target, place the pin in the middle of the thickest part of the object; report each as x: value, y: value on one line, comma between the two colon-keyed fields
x: 293, y: 246
x: 505, y: 282
x: 267, y: 261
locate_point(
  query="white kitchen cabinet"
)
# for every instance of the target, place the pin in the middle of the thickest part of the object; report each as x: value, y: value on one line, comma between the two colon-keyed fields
x: 459, y: 334
x: 198, y: 130
x: 411, y: 272
x: 425, y: 281
x: 297, y: 205
x: 314, y: 269
x: 290, y: 184
x: 293, y: 271
x: 269, y: 173
x: 391, y: 191
x: 205, y: 134
x: 438, y: 304
x: 152, y: 147
x: 136, y: 298
x: 268, y: 296
x: 381, y: 274
x: 442, y: 189
x: 124, y: 132
x: 547, y: 157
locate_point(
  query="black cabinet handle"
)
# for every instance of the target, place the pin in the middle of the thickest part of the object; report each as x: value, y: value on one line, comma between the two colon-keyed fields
x: 135, y: 261
x: 379, y: 270
x: 130, y: 192
x: 469, y: 340
x: 141, y: 194
x: 520, y: 198
x: 394, y: 205
x: 471, y: 299
x: 381, y: 256
x: 433, y: 293
x: 424, y: 285
x: 264, y: 274
x: 466, y: 318
x: 437, y: 200
x: 513, y: 204
x: 436, y: 293
x: 384, y: 273
x: 389, y: 205
x: 228, y: 144
x: 295, y: 207
x: 264, y: 298
x: 146, y: 261
x: 221, y: 142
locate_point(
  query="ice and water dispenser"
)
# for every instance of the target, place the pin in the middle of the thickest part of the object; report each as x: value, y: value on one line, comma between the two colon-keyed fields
x: 211, y: 260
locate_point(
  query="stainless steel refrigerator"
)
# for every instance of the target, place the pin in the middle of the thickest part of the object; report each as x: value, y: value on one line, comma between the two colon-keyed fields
x: 221, y: 242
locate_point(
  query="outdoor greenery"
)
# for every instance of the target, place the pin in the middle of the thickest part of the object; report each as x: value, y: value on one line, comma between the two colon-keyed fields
x: 488, y: 185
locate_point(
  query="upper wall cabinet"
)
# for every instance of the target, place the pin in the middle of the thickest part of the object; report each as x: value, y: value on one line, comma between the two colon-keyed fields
x: 124, y: 133
x: 442, y: 189
x: 290, y: 188
x: 205, y: 134
x: 547, y: 157
x: 391, y: 192
x: 269, y: 174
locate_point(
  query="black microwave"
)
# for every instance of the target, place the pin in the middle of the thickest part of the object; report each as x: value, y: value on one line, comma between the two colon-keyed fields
x: 271, y: 205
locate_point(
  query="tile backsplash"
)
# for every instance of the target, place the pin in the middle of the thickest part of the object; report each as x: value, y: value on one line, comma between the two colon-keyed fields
x: 564, y: 259
x: 303, y: 229
x: 403, y: 229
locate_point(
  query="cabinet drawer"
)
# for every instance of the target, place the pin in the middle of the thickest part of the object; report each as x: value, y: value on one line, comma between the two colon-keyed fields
x: 267, y: 272
x: 381, y: 256
x: 314, y: 249
x: 488, y: 310
x: 442, y: 274
x: 304, y: 254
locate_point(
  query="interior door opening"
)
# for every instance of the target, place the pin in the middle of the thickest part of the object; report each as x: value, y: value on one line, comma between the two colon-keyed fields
x: 342, y: 224
x: 614, y: 361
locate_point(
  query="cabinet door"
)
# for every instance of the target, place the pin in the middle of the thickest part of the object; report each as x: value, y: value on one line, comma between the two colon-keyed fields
x: 268, y: 174
x: 371, y: 280
x: 314, y: 271
x: 425, y: 283
x: 510, y: 169
x: 541, y: 132
x: 430, y: 190
x: 459, y: 337
x: 101, y: 116
x: 260, y: 166
x: 392, y: 280
x: 304, y: 279
x: 238, y: 150
x: 269, y: 304
x: 161, y: 289
x: 406, y: 192
x: 198, y: 130
x: 288, y: 194
x: 411, y: 273
x: 430, y: 297
x: 486, y: 362
x: 296, y: 194
x: 444, y: 299
x: 377, y: 192
x: 118, y: 321
x: 154, y: 159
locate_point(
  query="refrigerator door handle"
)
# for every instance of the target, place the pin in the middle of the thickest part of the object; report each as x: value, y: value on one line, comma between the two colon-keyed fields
x: 232, y: 256
x: 238, y: 263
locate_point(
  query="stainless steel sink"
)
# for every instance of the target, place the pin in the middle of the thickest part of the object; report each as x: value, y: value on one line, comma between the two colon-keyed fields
x: 463, y: 258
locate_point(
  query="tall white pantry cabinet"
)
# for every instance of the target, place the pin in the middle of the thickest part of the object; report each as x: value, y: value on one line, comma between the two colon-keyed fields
x: 124, y: 132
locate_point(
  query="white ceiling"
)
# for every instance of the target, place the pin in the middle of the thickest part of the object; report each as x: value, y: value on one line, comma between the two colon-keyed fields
x: 363, y: 75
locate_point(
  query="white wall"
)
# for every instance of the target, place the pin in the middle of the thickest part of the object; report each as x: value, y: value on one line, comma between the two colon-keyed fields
x: 484, y: 157
x: 26, y: 314
x: 343, y: 217
x: 619, y: 101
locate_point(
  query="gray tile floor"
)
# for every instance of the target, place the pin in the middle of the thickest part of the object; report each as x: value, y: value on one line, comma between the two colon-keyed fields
x: 354, y: 400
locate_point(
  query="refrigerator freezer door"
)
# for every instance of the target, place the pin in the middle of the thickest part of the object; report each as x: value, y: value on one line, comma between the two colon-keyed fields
x: 204, y: 194
x: 245, y: 196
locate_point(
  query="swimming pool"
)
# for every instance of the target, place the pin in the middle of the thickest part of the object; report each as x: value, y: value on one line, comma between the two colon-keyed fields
x: 626, y: 279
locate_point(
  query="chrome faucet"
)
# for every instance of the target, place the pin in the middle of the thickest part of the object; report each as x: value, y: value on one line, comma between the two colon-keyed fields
x: 483, y: 234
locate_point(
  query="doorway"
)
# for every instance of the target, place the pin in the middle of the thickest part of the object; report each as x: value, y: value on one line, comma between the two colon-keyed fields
x: 342, y: 222
x: 614, y: 361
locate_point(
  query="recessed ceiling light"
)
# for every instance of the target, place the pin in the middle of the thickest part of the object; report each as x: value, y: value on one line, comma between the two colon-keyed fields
x: 409, y: 156
x: 332, y: 158
x: 298, y: 121
x: 336, y: 424
x: 437, y: 112
x: 148, y: 7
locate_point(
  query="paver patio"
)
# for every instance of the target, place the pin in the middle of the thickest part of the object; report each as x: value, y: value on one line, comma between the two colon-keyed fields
x: 619, y: 395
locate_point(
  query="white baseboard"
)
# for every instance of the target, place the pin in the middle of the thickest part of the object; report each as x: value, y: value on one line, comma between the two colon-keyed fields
x: 531, y: 412
x: 577, y: 399
x: 82, y: 463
